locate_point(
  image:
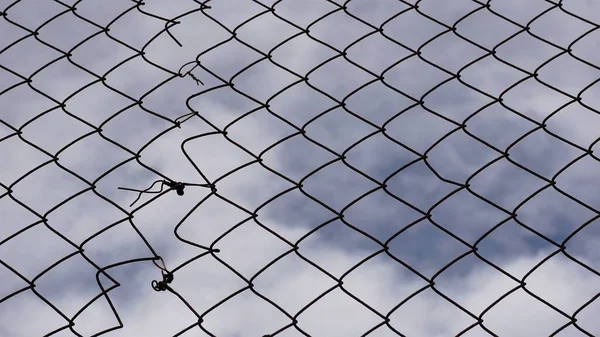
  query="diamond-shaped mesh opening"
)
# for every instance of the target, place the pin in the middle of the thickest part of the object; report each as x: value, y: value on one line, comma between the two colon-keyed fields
x: 491, y: 76
x: 12, y: 284
x: 10, y: 80
x: 338, y: 30
x: 287, y: 156
x: 535, y: 101
x: 298, y: 272
x: 421, y: 316
x: 286, y: 54
x: 51, y: 136
x: 372, y: 212
x: 272, y: 128
x: 575, y: 175
x: 351, y: 78
x: 27, y: 101
x: 299, y: 168
x: 357, y: 283
x: 462, y: 52
x: 255, y: 195
x: 523, y: 13
x: 557, y: 154
x: 554, y: 215
x: 33, y: 13
x: 111, y: 51
x: 266, y: 32
x: 45, y: 80
x: 290, y: 209
x: 402, y: 76
x: 15, y: 218
x: 527, y: 314
x: 498, y: 126
x: 57, y: 284
x: 77, y: 156
x: 573, y: 76
x: 258, y: 314
x: 35, y: 250
x: 581, y: 245
x: 300, y: 104
x: 581, y: 289
x: 325, y: 130
x: 456, y: 101
x: 57, y: 187
x: 11, y: 34
x: 147, y: 125
x: 431, y: 189
x: 491, y: 29
x: 573, y: 124
x: 14, y: 316
x: 544, y: 27
x: 377, y: 103
x: 391, y: 52
x: 447, y: 13
x: 467, y: 216
x: 585, y: 319
x: 52, y: 32
x: 459, y: 156
x: 399, y: 30
x: 269, y: 246
x: 28, y: 56
x: 323, y: 185
x: 365, y: 157
x: 19, y: 159
x: 407, y: 247
x: 509, y: 240
x: 315, y: 248
x: 513, y: 184
x: 532, y: 52
x: 325, y: 315
x: 478, y: 290
x: 272, y: 77
x: 67, y: 218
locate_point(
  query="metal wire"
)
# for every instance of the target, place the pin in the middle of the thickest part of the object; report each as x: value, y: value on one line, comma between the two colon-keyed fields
x: 168, y: 283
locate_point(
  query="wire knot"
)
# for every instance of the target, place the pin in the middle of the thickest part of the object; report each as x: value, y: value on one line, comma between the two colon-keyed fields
x: 164, y: 284
x: 172, y: 185
x: 177, y: 186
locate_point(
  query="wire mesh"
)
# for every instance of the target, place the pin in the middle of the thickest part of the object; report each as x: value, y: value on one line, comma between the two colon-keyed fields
x: 406, y: 53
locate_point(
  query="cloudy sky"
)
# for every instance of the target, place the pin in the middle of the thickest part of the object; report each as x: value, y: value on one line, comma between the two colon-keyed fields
x: 401, y: 168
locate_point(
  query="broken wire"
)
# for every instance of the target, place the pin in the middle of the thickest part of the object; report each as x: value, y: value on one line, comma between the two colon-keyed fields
x: 177, y: 186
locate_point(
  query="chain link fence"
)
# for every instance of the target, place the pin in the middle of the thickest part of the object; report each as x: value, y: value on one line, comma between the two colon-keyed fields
x: 314, y: 168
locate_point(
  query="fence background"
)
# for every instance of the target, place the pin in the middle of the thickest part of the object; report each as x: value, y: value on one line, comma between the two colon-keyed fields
x: 319, y: 168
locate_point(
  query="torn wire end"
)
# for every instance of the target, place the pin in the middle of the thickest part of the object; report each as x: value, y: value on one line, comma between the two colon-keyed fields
x: 177, y: 186
x: 202, y: 7
x: 184, y: 118
x: 189, y: 72
x: 198, y: 82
